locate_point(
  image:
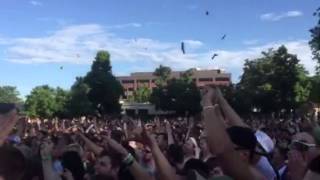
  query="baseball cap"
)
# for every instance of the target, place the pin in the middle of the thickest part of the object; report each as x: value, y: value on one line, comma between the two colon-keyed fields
x: 242, y: 137
x: 264, y: 141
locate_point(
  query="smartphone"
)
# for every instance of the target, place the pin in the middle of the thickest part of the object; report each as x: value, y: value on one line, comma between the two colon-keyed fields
x: 6, y: 107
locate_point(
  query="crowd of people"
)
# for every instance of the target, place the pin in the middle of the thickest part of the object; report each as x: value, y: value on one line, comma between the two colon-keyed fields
x: 217, y: 144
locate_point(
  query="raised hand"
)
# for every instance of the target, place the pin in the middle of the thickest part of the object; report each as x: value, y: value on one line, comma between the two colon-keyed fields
x: 8, y: 121
x: 148, y: 139
x: 168, y: 127
x: 208, y: 95
x: 115, y: 146
x: 297, y: 166
x: 46, y: 149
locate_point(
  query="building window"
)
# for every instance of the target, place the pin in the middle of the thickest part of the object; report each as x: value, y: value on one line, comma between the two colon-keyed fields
x: 127, y: 81
x: 143, y: 81
x: 130, y: 89
x: 205, y: 79
x: 222, y: 79
x: 194, y: 80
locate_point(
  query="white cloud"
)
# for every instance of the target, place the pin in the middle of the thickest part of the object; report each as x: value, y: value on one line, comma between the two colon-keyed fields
x: 279, y: 16
x: 35, y: 3
x: 127, y: 25
x: 194, y: 44
x: 78, y: 44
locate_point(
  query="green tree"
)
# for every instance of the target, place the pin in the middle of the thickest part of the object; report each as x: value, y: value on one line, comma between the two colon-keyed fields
x: 187, y: 75
x: 9, y: 94
x: 142, y: 95
x: 79, y: 103
x: 163, y: 74
x: 315, y: 41
x: 275, y: 82
x: 179, y: 95
x: 41, y: 102
x: 61, y: 98
x: 238, y: 98
x: 104, y: 89
x: 315, y: 90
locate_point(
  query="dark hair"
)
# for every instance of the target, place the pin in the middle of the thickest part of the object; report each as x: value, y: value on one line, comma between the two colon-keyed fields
x: 314, y: 165
x: 244, y: 138
x: 212, y: 162
x: 125, y: 174
x: 175, y: 154
x: 117, y: 135
x: 165, y: 136
x: 196, y: 164
x: 72, y: 161
x: 12, y: 163
x: 34, y: 169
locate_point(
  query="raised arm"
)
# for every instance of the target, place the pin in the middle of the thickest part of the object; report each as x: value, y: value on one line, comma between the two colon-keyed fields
x: 165, y: 170
x: 134, y: 167
x: 91, y: 145
x: 46, y: 158
x: 219, y: 141
x: 230, y: 114
x: 169, y: 133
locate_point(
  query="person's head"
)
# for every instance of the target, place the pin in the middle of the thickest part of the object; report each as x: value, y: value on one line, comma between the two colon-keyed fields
x: 244, y: 142
x: 197, y: 165
x: 175, y: 154
x: 214, y: 167
x: 162, y: 140
x: 305, y: 144
x: 72, y: 161
x: 12, y: 163
x: 190, y: 147
x: 103, y: 165
x: 147, y: 155
x: 118, y: 136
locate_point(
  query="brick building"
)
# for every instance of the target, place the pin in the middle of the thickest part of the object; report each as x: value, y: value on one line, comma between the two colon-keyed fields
x: 201, y: 77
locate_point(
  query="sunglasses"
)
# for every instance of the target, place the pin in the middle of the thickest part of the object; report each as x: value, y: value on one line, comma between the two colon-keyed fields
x: 301, y: 146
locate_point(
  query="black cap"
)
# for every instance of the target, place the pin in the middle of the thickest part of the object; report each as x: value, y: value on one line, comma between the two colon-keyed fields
x: 242, y: 137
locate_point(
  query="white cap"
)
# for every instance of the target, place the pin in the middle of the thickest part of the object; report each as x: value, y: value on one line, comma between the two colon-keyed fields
x: 265, y: 141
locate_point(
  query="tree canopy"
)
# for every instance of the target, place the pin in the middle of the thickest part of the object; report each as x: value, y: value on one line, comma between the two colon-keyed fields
x: 104, y: 89
x: 79, y: 103
x: 163, y: 74
x: 315, y: 39
x: 42, y: 102
x: 9, y: 94
x: 179, y: 95
x: 275, y: 81
x: 141, y: 95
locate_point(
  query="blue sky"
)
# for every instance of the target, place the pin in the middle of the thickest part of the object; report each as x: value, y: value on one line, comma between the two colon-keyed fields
x: 39, y: 36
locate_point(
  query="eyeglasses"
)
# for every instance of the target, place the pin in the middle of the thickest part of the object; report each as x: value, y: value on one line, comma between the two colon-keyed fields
x: 301, y: 146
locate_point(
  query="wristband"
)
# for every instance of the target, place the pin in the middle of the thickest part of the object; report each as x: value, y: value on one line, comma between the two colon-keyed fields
x: 46, y: 158
x: 128, y: 160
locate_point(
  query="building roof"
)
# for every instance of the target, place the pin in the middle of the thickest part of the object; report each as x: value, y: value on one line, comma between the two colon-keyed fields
x: 176, y: 74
